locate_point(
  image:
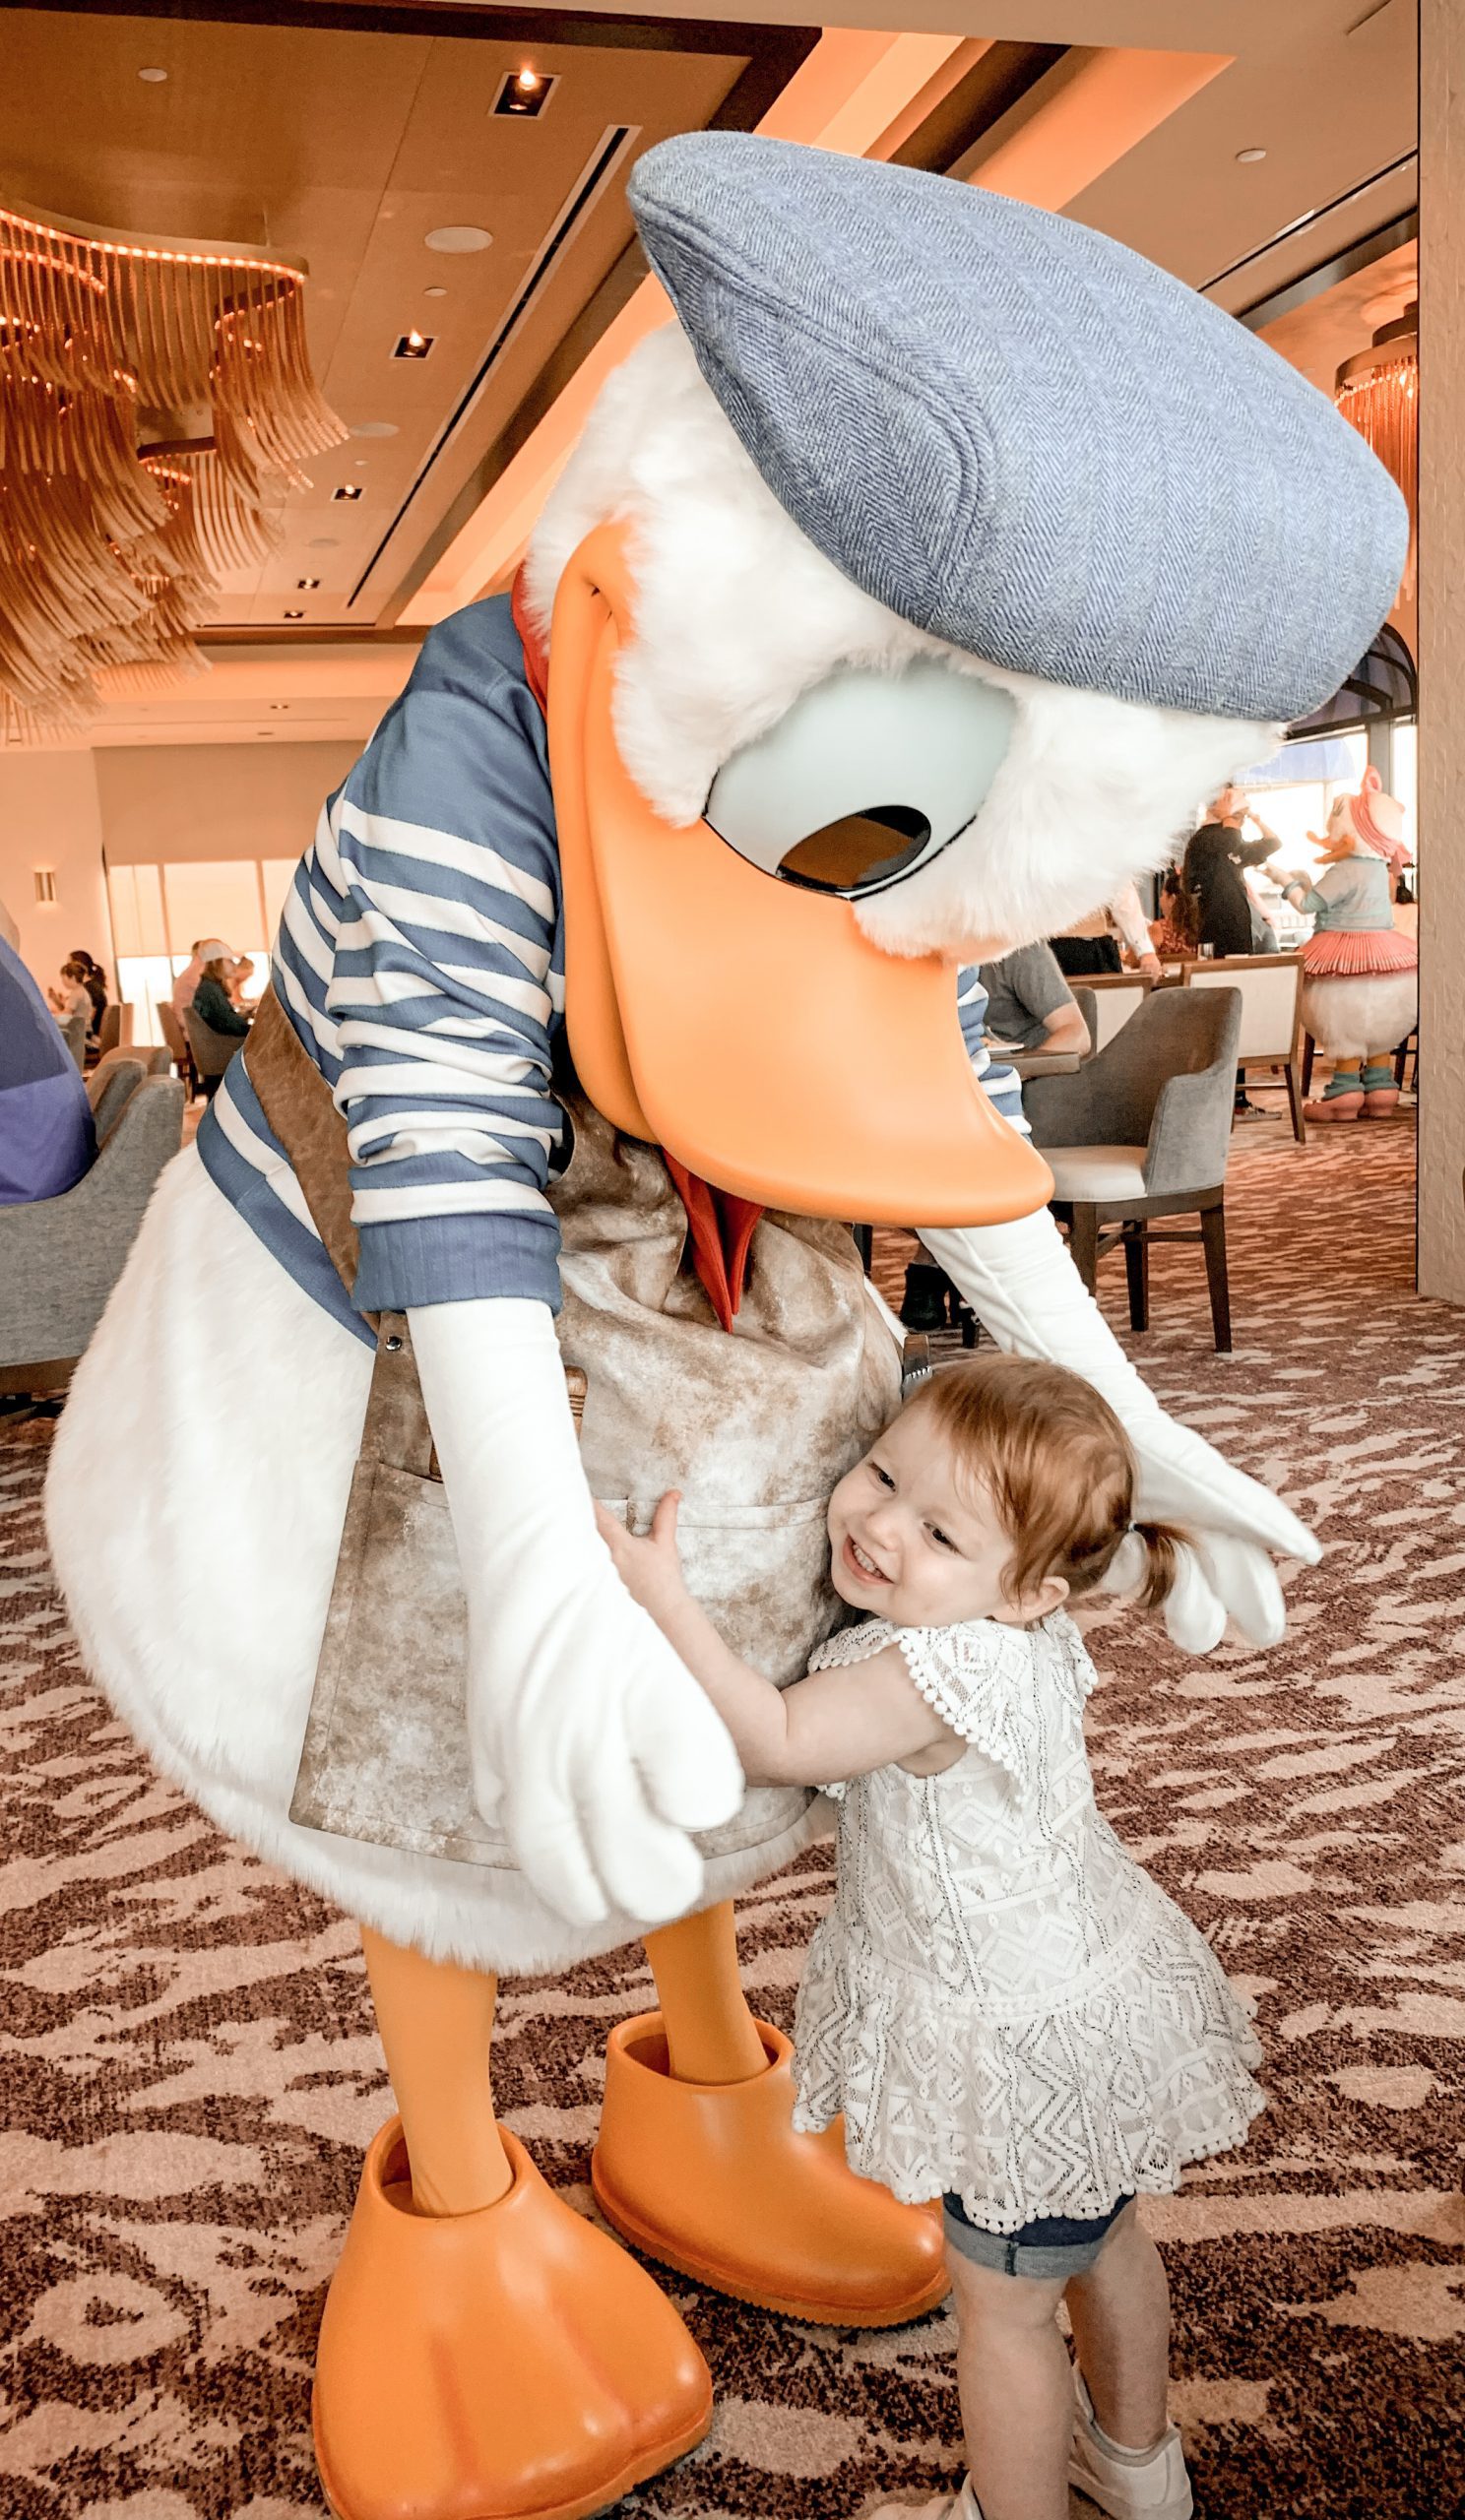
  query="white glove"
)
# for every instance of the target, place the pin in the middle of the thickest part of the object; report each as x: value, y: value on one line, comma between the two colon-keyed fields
x: 591, y: 1743
x: 1021, y: 1283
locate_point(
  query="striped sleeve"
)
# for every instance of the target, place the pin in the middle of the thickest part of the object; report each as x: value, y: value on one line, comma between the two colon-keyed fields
x: 999, y: 1084
x: 440, y: 868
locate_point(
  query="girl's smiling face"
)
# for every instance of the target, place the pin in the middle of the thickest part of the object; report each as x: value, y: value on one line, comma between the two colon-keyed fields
x: 912, y: 1543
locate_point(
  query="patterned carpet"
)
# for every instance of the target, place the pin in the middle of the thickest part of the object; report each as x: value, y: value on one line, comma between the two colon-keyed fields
x: 189, y: 2067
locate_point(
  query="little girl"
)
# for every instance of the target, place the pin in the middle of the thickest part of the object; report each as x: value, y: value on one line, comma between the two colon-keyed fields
x: 1004, y: 2007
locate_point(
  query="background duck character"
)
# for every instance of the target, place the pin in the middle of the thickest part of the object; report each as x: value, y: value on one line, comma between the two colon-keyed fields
x: 1360, y: 990
x: 900, y: 601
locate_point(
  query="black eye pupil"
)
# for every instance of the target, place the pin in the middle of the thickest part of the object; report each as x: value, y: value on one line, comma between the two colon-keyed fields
x: 857, y: 849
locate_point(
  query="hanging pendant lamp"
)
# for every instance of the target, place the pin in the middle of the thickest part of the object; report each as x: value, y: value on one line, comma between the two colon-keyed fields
x: 1377, y: 389
x: 155, y: 402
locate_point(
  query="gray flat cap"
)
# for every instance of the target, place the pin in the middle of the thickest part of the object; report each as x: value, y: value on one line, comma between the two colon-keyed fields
x: 1022, y: 436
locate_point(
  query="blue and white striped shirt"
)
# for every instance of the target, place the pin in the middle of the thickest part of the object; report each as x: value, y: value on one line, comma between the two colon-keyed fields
x: 421, y: 958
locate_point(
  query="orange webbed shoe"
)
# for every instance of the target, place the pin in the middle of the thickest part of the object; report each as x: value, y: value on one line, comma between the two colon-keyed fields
x: 712, y: 2178
x: 512, y: 2364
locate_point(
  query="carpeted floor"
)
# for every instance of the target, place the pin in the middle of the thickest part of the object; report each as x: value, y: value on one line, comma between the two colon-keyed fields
x: 189, y: 2068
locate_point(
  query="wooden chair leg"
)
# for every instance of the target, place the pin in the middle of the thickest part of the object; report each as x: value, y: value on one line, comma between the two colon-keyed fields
x: 1137, y: 1270
x: 1083, y: 1242
x: 1308, y: 1047
x: 1213, y: 1236
x: 1295, y: 1104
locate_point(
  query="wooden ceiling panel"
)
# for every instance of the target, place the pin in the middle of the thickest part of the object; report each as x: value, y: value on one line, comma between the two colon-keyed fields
x: 341, y: 136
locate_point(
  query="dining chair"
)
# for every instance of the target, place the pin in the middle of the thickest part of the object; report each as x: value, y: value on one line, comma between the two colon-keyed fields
x: 1271, y: 1036
x: 1140, y: 1134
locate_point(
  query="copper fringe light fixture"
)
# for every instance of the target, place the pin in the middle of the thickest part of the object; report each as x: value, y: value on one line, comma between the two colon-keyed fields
x: 156, y: 398
x: 1379, y: 392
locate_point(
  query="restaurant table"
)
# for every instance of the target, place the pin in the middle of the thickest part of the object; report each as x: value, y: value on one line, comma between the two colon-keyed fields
x: 1025, y: 1063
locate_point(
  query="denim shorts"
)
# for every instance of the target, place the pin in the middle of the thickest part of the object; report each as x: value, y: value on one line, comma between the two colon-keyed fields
x: 1051, y: 2249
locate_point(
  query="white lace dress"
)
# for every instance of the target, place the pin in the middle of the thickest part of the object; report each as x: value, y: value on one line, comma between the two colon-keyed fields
x: 1000, y: 2001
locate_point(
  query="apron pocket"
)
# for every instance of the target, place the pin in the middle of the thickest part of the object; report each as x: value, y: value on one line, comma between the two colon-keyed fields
x: 761, y: 1573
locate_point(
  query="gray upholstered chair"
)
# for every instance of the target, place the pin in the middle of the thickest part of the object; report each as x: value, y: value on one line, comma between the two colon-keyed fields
x: 154, y: 1060
x: 170, y: 1023
x: 1141, y: 1132
x: 1112, y: 998
x: 111, y: 1086
x: 114, y: 1030
x: 74, y: 1029
x: 60, y: 1258
x: 210, y: 1052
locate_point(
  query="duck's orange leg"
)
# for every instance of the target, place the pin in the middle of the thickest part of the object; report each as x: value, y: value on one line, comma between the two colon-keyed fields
x: 484, y: 2349
x: 699, y: 2165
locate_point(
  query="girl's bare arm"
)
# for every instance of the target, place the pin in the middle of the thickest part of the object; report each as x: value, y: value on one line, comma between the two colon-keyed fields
x: 830, y: 1727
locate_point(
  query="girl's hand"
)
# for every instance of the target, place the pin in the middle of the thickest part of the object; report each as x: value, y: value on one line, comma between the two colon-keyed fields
x: 649, y: 1568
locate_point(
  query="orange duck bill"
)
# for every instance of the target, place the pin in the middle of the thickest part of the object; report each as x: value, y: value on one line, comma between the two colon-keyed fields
x: 746, y: 1025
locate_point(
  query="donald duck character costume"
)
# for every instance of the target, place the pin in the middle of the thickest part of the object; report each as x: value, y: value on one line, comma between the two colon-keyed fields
x: 899, y: 602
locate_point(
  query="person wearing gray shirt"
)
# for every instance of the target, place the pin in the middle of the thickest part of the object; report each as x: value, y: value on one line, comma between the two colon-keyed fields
x: 1029, y: 1006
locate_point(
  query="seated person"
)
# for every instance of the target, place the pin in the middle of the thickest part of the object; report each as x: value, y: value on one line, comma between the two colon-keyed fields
x: 1102, y: 942
x: 203, y: 950
x: 212, y: 1004
x: 46, y: 1138
x: 1029, y: 1006
x: 71, y: 995
x: 242, y: 985
x: 1174, y: 932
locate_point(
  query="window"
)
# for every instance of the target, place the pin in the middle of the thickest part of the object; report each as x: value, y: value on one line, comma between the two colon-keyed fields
x: 159, y: 912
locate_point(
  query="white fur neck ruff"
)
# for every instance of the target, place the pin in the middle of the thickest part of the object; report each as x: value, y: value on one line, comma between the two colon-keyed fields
x: 737, y: 613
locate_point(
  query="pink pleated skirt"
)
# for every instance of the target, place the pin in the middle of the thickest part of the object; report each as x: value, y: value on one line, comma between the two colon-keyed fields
x: 1345, y: 954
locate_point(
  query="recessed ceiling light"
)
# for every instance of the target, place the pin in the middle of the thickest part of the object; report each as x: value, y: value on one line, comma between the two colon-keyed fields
x: 348, y: 491
x: 324, y: 542
x: 154, y: 78
x: 525, y: 92
x: 374, y: 428
x: 414, y: 345
x: 437, y: 290
x: 457, y: 240
x: 307, y: 585
x: 1250, y: 157
x: 278, y: 709
x: 296, y: 616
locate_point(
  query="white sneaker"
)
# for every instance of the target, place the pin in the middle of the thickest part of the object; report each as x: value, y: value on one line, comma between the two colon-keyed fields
x: 1154, y: 2489
x: 940, y: 2506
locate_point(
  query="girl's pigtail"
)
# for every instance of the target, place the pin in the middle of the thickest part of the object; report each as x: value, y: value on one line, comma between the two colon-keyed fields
x: 1163, y: 1543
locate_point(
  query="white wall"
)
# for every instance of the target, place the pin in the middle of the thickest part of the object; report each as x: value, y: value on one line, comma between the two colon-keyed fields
x: 50, y: 815
x: 76, y: 813
x: 163, y: 803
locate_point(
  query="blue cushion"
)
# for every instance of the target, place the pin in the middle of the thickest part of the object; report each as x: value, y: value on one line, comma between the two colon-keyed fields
x: 1022, y: 436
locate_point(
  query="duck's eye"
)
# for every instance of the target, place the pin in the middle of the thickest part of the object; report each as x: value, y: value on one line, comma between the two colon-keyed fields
x: 860, y: 852
x: 865, y: 778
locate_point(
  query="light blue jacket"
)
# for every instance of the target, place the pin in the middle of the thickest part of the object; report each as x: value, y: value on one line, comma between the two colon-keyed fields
x: 1355, y: 896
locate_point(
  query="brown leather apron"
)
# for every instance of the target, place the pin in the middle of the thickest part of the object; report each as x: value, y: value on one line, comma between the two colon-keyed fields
x: 755, y: 1426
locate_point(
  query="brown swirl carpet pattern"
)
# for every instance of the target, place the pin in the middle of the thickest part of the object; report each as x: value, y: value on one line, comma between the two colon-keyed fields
x: 190, y: 2071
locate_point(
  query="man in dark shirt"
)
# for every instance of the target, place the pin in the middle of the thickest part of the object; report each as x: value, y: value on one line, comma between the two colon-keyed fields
x: 1214, y: 859
x: 1212, y: 871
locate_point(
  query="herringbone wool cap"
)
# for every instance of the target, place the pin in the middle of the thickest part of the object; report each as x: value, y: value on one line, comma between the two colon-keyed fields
x: 1022, y: 436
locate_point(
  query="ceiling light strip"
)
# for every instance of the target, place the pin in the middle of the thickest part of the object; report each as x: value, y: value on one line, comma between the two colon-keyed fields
x: 1309, y: 218
x: 600, y: 167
